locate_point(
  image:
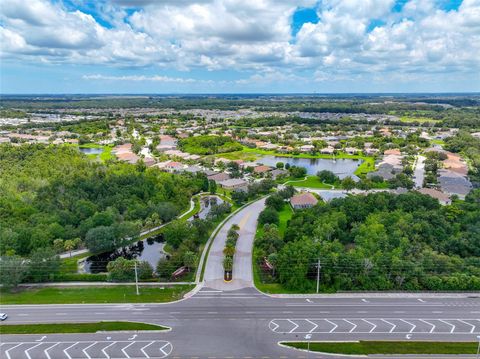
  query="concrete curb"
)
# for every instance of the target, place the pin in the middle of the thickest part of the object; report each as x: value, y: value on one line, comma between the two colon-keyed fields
x: 379, y: 295
x: 323, y: 353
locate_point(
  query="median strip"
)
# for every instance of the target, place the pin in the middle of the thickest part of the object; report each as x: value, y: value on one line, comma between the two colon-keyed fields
x: 385, y: 347
x: 61, y: 328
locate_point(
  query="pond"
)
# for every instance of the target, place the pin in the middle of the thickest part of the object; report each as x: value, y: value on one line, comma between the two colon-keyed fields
x: 341, y: 167
x: 150, y: 250
x: 91, y: 150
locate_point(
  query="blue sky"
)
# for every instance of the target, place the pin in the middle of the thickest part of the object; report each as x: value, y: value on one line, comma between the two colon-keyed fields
x: 227, y: 46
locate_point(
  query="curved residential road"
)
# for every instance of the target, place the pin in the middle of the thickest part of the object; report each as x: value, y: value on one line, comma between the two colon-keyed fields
x: 246, y: 219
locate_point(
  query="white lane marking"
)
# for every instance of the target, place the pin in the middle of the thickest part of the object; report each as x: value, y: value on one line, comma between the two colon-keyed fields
x: 287, y: 312
x: 335, y: 325
x: 108, y: 346
x: 374, y: 325
x: 249, y: 312
x: 85, y: 350
x: 362, y: 312
x: 354, y: 325
x: 453, y: 326
x: 39, y: 340
x: 163, y: 351
x: 413, y: 325
x: 316, y: 325
x: 99, y: 313
x: 473, y: 326
x: 393, y: 325
x: 174, y: 312
x: 23, y: 315
x: 143, y: 349
x: 211, y: 291
x: 27, y: 351
x: 60, y: 313
x: 50, y: 347
x: 65, y: 350
x: 437, y: 312
x: 433, y: 325
x: 212, y: 312
x: 7, y: 352
x: 296, y: 326
x: 125, y: 348
x: 275, y: 323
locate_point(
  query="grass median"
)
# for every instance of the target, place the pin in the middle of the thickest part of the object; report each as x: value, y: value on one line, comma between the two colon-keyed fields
x: 387, y: 347
x: 61, y: 328
x: 94, y: 294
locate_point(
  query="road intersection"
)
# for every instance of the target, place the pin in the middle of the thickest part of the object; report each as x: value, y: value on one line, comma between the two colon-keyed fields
x: 237, y: 321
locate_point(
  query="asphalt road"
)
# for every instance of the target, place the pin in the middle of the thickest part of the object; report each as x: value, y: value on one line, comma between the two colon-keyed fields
x: 246, y: 219
x: 234, y: 320
x: 244, y: 323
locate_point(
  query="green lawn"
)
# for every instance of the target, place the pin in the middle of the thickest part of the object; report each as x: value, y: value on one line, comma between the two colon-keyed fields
x: 94, y: 294
x: 53, y: 328
x: 388, y: 347
x: 438, y: 142
x: 408, y: 119
x: 104, y: 156
x: 310, y: 182
x: 284, y: 216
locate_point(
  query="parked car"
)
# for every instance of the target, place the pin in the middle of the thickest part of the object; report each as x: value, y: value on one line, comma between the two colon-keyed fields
x: 3, y: 316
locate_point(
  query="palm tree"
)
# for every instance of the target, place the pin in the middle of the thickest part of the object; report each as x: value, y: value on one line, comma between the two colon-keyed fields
x: 228, y: 263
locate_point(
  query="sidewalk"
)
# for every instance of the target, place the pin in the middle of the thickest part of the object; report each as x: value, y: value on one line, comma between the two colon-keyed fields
x: 102, y: 284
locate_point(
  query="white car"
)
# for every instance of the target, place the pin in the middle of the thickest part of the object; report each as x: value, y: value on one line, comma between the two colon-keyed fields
x: 3, y: 316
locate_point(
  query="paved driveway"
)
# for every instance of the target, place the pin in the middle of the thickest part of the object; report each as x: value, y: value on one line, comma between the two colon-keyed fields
x: 246, y: 219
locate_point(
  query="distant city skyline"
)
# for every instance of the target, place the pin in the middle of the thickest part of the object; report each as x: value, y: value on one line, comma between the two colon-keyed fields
x: 228, y: 46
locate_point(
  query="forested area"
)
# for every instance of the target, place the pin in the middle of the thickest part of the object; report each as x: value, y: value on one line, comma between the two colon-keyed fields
x: 209, y: 145
x: 55, y: 197
x: 379, y: 242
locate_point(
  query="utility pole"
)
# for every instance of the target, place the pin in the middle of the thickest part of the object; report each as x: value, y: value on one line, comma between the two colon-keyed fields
x: 136, y: 278
x: 318, y: 275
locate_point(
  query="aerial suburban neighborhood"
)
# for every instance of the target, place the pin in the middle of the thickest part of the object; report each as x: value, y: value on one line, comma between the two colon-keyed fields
x: 220, y: 179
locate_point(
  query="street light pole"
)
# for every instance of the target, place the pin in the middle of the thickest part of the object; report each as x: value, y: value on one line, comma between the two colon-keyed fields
x: 136, y: 278
x: 318, y: 275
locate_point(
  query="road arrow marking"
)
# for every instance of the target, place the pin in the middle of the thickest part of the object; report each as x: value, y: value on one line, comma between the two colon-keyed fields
x: 408, y: 336
x: 85, y: 350
x: 364, y: 300
x: 421, y: 300
x: 39, y: 340
x: 309, y: 301
x: 133, y: 337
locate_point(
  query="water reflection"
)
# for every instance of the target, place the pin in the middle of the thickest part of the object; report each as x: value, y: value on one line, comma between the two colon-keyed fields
x: 341, y: 167
x: 150, y: 250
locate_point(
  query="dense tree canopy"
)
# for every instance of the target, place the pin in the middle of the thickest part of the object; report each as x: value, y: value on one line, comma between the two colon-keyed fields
x: 56, y: 192
x: 381, y: 242
x: 208, y: 145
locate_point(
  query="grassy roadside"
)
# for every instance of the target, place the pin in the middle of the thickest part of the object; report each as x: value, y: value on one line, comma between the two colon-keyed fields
x: 97, y: 294
x: 57, y: 328
x: 388, y: 347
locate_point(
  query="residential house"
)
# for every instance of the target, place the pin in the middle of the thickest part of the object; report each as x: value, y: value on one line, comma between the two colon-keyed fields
x: 442, y: 197
x: 303, y: 200
x: 234, y: 184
